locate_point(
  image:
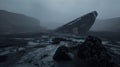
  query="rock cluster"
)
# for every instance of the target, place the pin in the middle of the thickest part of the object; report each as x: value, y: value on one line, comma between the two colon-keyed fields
x: 92, y: 52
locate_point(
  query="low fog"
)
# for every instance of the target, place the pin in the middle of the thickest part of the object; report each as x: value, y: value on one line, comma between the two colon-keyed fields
x: 54, y: 13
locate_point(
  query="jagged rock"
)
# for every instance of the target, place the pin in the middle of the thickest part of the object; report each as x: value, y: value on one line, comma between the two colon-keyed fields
x: 94, y: 53
x: 61, y: 54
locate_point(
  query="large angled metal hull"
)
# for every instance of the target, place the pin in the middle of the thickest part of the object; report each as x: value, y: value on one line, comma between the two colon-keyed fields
x: 80, y: 25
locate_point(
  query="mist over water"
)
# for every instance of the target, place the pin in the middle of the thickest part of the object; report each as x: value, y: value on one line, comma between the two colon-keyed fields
x: 54, y: 13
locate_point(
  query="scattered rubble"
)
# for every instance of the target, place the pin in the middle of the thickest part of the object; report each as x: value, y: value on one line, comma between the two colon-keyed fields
x: 89, y: 53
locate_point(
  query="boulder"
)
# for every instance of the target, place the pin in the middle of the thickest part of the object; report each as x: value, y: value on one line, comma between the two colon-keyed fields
x: 61, y: 54
x: 94, y: 53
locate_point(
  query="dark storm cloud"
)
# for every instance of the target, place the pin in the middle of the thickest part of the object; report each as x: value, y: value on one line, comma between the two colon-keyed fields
x: 53, y: 13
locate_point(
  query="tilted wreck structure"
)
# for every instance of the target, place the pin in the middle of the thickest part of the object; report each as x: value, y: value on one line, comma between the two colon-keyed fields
x: 80, y: 25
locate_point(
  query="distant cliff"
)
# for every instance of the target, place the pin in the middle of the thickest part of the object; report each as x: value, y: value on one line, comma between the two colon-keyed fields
x: 13, y: 23
x: 108, y: 28
x: 110, y: 25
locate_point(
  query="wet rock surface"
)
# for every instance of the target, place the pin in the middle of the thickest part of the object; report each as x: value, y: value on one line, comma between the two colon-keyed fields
x: 61, y: 54
x: 89, y: 52
x: 93, y: 52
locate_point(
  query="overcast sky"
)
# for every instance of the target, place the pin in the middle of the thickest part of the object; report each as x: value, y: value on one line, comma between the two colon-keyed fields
x: 54, y: 13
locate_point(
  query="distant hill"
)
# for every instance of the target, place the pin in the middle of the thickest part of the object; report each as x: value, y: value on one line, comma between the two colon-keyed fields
x: 13, y: 23
x: 108, y: 28
x: 111, y: 25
